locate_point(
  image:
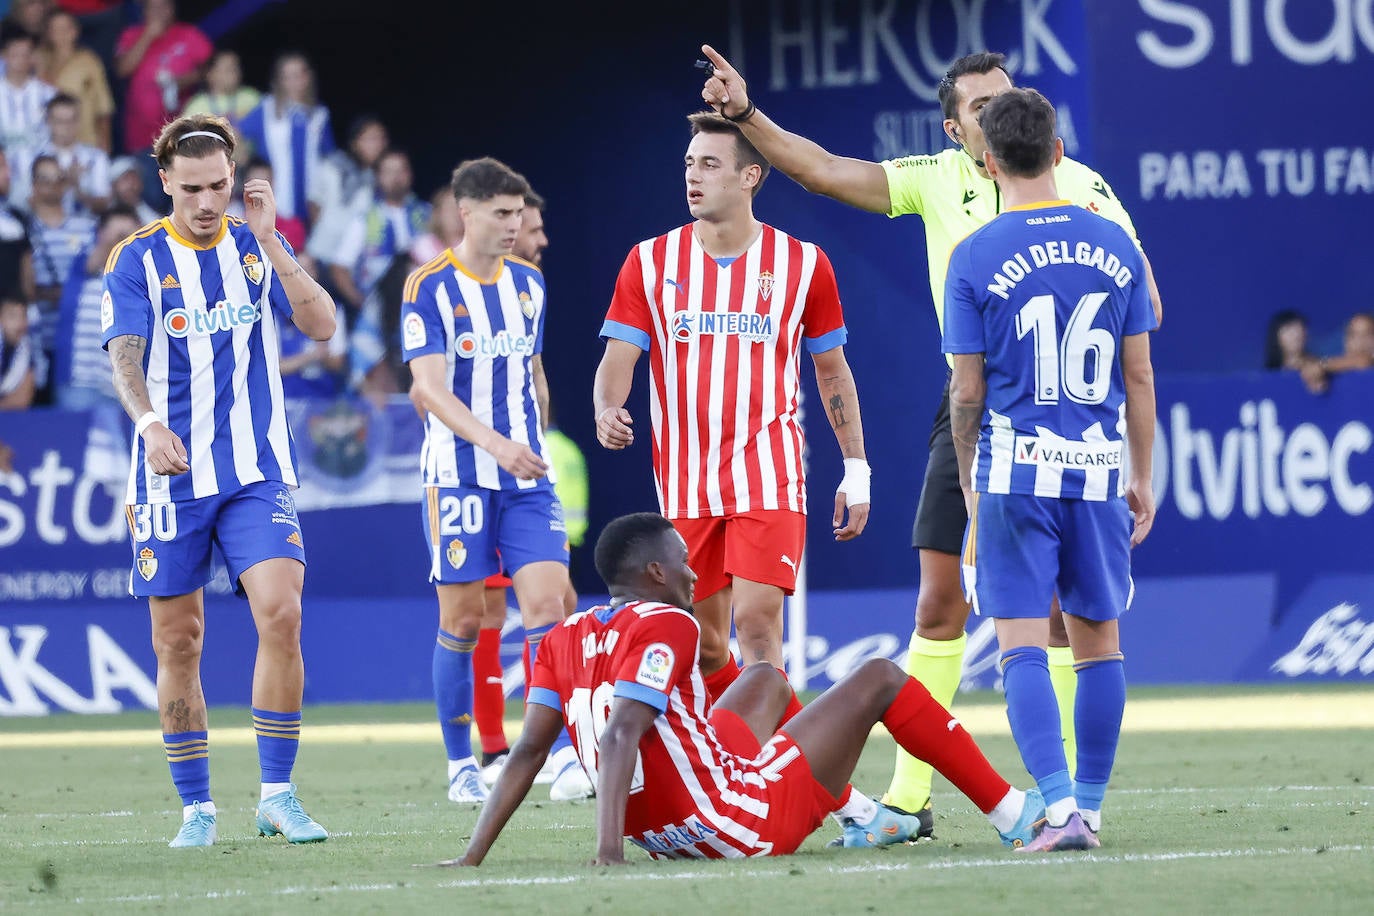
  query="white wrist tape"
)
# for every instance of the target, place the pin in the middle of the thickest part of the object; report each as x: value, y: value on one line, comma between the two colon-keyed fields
x: 856, y: 479
x: 145, y: 421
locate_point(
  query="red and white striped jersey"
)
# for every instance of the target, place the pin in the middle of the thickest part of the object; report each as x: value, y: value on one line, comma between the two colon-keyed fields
x: 724, y: 339
x: 691, y: 798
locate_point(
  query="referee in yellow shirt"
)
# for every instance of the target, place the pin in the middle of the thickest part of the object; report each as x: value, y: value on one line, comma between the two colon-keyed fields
x: 952, y: 192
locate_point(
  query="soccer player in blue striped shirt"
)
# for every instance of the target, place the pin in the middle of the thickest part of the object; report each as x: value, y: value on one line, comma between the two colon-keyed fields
x: 472, y: 326
x: 190, y: 316
x: 1048, y: 314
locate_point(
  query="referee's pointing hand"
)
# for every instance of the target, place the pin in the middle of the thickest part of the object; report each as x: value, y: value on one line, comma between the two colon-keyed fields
x: 724, y: 90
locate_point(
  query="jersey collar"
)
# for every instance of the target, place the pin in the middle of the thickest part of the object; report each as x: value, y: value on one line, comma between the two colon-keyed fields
x: 1041, y: 205
x: 219, y: 236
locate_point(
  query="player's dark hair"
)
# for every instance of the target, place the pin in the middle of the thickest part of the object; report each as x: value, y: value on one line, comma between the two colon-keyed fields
x: 1273, y: 352
x: 1019, y: 128
x: 628, y: 544
x: 535, y: 201
x: 485, y: 178
x: 982, y: 62
x: 174, y: 141
x: 708, y: 122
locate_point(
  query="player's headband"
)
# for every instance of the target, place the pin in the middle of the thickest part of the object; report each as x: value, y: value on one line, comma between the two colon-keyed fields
x: 200, y: 133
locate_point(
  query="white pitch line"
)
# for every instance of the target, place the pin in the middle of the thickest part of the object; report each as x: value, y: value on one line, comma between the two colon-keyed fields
x: 1026, y: 861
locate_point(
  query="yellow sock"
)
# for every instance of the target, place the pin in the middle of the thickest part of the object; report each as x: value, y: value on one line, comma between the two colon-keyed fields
x: 1065, y: 683
x: 937, y: 664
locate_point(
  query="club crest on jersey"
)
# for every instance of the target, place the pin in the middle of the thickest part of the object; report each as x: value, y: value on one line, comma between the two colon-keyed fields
x: 526, y: 304
x: 655, y: 666
x: 750, y: 327
x: 456, y: 554
x: 253, y: 268
x: 766, y: 284
x: 147, y: 564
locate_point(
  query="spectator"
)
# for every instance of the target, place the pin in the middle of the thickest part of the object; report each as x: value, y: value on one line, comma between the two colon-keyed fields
x: 378, y: 367
x: 225, y: 95
x: 85, y: 169
x: 58, y: 236
x: 101, y: 22
x: 126, y: 188
x: 1286, y: 342
x: 291, y: 131
x: 386, y: 228
x: 16, y: 354
x: 16, y: 255
x: 162, y: 59
x: 290, y: 227
x: 22, y: 94
x: 1359, y: 346
x: 27, y: 16
x: 81, y: 370
x: 342, y: 185
x: 313, y: 368
x: 445, y: 227
x: 79, y: 72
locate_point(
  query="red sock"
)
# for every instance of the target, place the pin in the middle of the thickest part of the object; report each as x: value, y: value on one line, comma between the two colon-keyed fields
x: 718, y: 681
x: 925, y: 729
x: 794, y: 705
x: 488, y: 696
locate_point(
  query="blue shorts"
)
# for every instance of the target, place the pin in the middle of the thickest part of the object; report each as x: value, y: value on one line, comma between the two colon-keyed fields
x: 1020, y: 550
x: 172, y: 541
x: 474, y: 532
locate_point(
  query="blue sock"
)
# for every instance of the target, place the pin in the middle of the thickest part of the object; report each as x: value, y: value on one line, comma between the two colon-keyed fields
x: 1097, y: 717
x: 534, y: 636
x: 279, y: 737
x: 188, y: 756
x: 1033, y: 713
x: 453, y: 692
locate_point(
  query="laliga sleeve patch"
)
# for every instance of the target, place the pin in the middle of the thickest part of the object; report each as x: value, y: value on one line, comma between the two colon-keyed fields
x: 656, y: 666
x: 106, y: 311
x: 414, y: 332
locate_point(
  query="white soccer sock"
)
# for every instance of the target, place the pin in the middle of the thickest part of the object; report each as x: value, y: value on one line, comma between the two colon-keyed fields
x: 455, y: 766
x: 1008, y: 810
x: 1093, y: 818
x: 1057, y: 814
x: 857, y: 806
x: 205, y: 808
x: 274, y: 788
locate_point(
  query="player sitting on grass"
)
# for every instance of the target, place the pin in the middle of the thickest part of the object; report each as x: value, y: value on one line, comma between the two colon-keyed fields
x: 681, y: 777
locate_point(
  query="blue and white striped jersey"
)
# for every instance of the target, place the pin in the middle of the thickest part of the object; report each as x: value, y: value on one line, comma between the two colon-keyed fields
x: 295, y: 142
x: 489, y: 331
x: 210, y: 316
x: 1046, y: 293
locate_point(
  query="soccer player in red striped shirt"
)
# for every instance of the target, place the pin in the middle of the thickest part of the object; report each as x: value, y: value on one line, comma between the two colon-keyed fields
x: 724, y: 306
x: 681, y: 777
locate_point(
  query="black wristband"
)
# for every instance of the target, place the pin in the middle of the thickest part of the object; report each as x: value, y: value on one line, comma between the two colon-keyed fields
x: 742, y: 116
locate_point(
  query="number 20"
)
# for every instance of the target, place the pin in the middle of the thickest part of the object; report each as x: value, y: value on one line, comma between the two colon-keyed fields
x: 460, y: 515
x: 1065, y: 363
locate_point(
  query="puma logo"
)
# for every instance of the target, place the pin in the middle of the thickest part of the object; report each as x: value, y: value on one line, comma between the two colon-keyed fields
x: 952, y: 724
x: 788, y: 560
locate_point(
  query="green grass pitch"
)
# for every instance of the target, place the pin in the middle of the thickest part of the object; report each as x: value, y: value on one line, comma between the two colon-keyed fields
x: 1202, y: 819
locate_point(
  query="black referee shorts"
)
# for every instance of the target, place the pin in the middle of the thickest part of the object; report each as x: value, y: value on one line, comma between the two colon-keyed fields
x: 940, y: 515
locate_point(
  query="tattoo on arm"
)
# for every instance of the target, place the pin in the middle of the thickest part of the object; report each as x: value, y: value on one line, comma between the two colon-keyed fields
x: 837, y: 411
x: 130, y: 383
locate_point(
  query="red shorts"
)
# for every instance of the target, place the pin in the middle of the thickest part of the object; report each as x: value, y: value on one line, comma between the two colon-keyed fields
x: 762, y: 546
x: 797, y: 803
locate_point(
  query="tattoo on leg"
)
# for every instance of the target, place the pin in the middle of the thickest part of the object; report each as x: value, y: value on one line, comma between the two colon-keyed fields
x: 178, y: 717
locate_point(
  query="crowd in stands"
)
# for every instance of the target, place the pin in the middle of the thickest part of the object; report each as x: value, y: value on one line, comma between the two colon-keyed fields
x: 1288, y: 348
x: 85, y: 86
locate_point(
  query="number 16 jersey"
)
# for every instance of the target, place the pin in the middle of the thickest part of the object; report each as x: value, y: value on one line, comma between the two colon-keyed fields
x: 1046, y: 293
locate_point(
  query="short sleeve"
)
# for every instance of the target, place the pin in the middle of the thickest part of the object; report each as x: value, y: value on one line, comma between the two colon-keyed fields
x: 822, y: 316
x: 539, y: 320
x: 629, y: 318
x: 963, y: 320
x: 543, y: 679
x: 125, y: 307
x: 660, y: 654
x: 906, y: 178
x: 276, y: 292
x: 422, y: 332
x: 1091, y: 191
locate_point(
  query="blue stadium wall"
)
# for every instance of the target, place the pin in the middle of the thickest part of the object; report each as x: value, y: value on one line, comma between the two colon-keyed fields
x: 1234, y: 131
